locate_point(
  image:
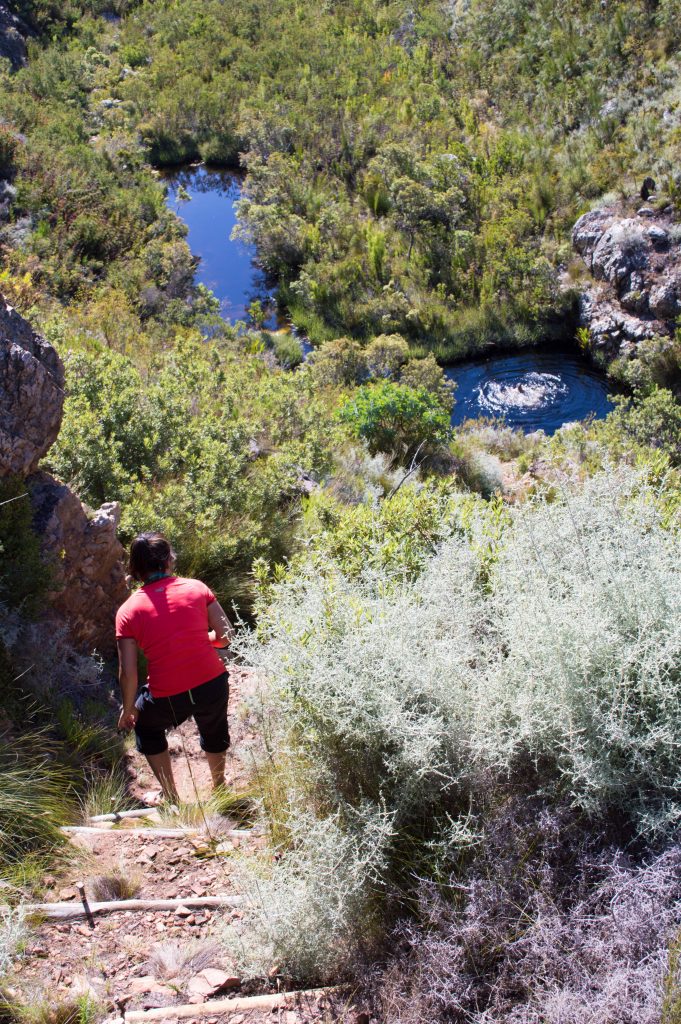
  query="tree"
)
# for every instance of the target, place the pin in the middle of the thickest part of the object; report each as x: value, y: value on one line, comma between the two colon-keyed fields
x: 396, y: 419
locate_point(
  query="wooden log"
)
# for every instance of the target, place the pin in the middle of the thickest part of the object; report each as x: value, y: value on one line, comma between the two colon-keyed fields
x: 158, y: 833
x: 67, y: 911
x: 214, y: 1007
x: 139, y: 812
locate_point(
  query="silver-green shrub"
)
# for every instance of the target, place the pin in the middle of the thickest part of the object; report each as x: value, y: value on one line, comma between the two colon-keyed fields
x: 556, y: 642
x: 309, y: 913
x: 537, y: 658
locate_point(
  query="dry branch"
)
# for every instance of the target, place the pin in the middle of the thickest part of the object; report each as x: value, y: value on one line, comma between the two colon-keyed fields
x: 65, y: 911
x: 212, y: 1008
x: 139, y: 812
x: 158, y: 833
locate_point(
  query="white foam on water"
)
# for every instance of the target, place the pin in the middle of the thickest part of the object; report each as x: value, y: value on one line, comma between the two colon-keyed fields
x: 529, y: 391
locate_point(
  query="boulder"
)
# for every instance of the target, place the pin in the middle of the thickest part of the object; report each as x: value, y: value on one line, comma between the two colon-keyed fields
x: 636, y: 288
x: 81, y: 546
x: 620, y: 250
x: 658, y: 236
x: 664, y: 300
x: 589, y: 229
x: 88, y: 568
x: 31, y: 394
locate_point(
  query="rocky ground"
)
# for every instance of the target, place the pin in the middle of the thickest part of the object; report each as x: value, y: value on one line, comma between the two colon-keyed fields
x: 159, y: 959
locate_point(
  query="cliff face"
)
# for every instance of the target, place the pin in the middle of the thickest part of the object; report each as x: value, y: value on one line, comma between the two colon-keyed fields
x: 634, y: 257
x: 81, y: 546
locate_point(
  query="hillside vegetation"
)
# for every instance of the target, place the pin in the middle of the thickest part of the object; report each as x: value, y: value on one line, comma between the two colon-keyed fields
x: 410, y: 169
x: 467, y: 640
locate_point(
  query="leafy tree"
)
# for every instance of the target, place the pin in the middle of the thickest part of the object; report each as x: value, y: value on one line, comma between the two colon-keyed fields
x: 395, y: 418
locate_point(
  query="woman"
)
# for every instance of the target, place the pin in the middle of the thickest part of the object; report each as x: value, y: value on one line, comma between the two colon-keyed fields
x: 177, y: 624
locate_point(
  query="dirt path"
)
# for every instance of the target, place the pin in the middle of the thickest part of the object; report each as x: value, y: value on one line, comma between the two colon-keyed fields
x: 132, y: 961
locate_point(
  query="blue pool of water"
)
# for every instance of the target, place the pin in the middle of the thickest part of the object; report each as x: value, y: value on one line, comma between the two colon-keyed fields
x: 540, y: 388
x: 227, y: 267
x: 535, y: 389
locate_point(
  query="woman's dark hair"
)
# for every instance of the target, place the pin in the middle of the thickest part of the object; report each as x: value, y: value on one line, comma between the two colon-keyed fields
x: 149, y: 553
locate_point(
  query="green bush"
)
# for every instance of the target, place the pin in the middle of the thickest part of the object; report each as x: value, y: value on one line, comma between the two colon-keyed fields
x: 395, y: 418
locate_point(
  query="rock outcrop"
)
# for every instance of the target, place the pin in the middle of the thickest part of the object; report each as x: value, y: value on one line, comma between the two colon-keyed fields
x: 81, y: 546
x: 32, y: 390
x: 635, y: 263
x: 12, y: 38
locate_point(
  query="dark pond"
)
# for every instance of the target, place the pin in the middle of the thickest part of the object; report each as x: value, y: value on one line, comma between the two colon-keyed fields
x: 204, y: 198
x: 533, y: 389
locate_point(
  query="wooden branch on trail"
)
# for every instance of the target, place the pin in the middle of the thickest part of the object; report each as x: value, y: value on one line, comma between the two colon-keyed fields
x: 158, y: 833
x: 139, y: 812
x: 67, y: 911
x: 214, y: 1007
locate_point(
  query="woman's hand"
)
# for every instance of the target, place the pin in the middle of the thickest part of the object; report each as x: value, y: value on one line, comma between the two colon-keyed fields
x: 128, y: 719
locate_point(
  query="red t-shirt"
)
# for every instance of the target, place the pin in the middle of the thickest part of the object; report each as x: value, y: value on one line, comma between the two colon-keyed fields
x: 168, y: 619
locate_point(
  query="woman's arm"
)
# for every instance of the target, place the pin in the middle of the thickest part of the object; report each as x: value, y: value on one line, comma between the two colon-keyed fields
x: 221, y: 629
x: 127, y: 677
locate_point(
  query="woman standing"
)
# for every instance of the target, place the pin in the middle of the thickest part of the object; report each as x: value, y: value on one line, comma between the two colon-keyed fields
x: 178, y: 625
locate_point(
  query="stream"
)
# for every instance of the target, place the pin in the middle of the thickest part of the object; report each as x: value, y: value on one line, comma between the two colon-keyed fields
x: 533, y: 389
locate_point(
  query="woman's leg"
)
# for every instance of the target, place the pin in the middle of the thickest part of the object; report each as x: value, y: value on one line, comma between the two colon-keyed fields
x: 163, y: 770
x: 216, y: 763
x: 210, y: 714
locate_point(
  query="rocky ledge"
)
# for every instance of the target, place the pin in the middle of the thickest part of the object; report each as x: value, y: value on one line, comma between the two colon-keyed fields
x: 634, y: 257
x: 80, y: 545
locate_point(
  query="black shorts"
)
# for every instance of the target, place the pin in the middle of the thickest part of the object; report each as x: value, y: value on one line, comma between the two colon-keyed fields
x: 206, y: 704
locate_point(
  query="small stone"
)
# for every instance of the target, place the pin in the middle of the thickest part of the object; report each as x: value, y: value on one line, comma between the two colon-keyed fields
x: 183, y: 912
x: 645, y: 211
x: 211, y: 981
x: 160, y: 927
x: 140, y: 986
x: 67, y: 894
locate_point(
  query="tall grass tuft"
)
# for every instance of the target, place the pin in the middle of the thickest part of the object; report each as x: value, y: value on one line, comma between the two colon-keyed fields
x: 34, y: 800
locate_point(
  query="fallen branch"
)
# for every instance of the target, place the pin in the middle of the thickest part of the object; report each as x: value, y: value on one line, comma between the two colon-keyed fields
x: 158, y: 833
x: 66, y: 911
x: 140, y: 812
x: 213, y: 1007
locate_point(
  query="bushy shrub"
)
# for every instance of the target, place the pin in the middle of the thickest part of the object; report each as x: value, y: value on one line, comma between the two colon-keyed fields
x: 534, y: 947
x: 548, y: 636
x: 395, y: 418
x: 339, y: 362
x: 310, y: 914
x: 425, y: 373
x: 385, y: 355
x: 24, y: 577
x: 530, y: 664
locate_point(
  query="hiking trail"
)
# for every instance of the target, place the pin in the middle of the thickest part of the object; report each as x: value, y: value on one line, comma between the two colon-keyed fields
x: 150, y: 959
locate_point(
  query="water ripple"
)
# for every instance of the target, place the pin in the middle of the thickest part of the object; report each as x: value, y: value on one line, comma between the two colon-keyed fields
x: 534, y: 389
